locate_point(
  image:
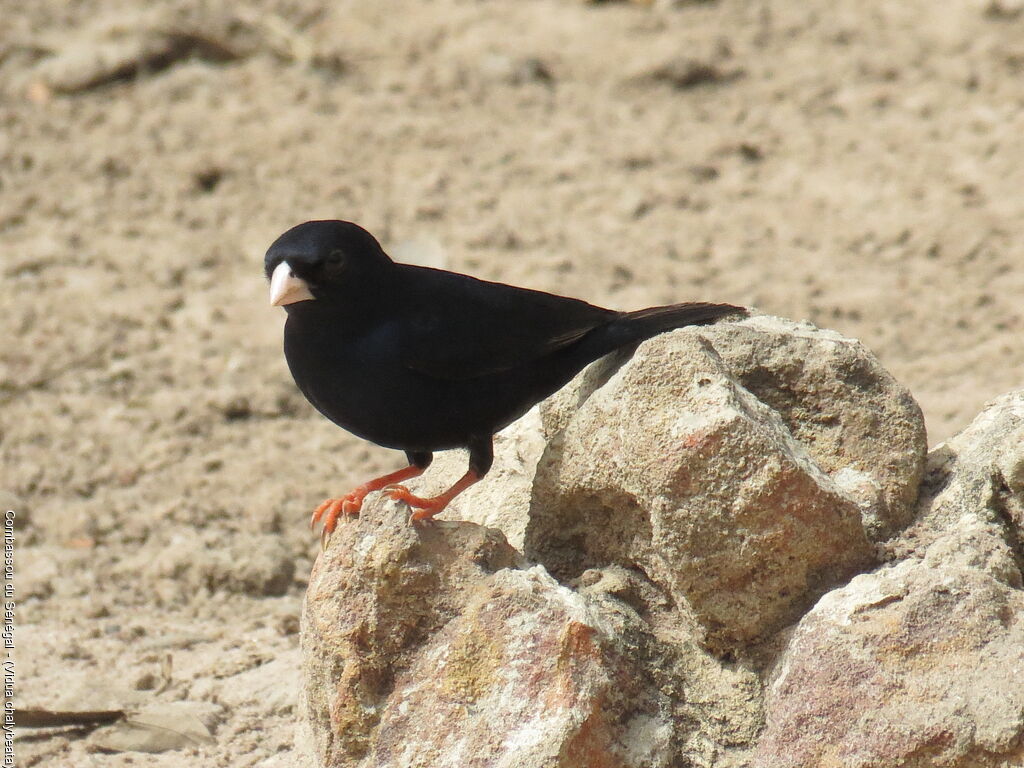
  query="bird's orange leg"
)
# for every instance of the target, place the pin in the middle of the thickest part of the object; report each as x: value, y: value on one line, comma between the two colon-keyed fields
x: 425, y: 509
x: 330, y: 510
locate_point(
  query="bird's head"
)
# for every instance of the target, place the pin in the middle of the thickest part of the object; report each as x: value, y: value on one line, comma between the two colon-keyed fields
x: 321, y: 260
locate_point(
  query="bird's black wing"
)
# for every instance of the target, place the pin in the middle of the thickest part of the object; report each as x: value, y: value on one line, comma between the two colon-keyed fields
x: 461, y: 328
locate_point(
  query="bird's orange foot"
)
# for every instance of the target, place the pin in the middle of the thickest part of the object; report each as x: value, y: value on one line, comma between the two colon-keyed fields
x: 331, y: 509
x: 349, y: 505
x: 423, y: 509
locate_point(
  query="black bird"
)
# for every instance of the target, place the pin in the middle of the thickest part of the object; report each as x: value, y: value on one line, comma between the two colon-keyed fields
x: 422, y: 359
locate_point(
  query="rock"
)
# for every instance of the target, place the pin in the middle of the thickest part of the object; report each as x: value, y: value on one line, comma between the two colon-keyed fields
x: 816, y: 401
x: 858, y: 424
x: 431, y: 646
x: 673, y: 467
x: 921, y: 663
x: 526, y: 675
x: 716, y: 708
x: 685, y: 505
x: 972, y: 504
x: 855, y: 434
x: 913, y: 665
x: 375, y: 597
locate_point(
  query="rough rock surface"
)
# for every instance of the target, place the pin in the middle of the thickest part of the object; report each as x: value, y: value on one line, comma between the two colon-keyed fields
x: 856, y: 422
x: 524, y: 675
x: 853, y: 419
x: 639, y: 461
x: 428, y: 646
x: 503, y: 499
x: 674, y: 468
x: 913, y: 665
x: 722, y: 497
x: 972, y: 501
x: 377, y: 594
x: 921, y: 663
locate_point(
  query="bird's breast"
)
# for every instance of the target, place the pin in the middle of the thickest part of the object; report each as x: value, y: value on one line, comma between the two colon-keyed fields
x: 359, y: 382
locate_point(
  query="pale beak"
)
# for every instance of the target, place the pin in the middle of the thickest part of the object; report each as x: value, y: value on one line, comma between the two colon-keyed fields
x: 286, y: 287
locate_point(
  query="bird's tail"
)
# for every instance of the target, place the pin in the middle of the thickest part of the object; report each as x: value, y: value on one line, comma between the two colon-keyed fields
x: 633, y: 327
x: 645, y: 323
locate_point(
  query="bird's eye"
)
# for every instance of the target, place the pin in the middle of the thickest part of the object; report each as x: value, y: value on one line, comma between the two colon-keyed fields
x: 335, y: 256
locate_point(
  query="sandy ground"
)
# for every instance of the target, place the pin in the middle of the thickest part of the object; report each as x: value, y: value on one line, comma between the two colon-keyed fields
x: 855, y: 163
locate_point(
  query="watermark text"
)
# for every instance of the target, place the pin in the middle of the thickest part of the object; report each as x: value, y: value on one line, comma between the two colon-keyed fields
x: 7, y: 633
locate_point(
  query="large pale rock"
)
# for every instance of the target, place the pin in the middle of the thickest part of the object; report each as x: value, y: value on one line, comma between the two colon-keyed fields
x: 910, y: 666
x: 526, y: 676
x: 724, y: 461
x: 673, y: 467
x: 856, y: 422
x: 921, y: 663
x: 375, y: 596
x: 428, y: 646
x: 690, y: 500
x: 972, y: 504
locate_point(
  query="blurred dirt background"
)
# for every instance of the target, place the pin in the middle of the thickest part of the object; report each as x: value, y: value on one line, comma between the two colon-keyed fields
x: 858, y: 164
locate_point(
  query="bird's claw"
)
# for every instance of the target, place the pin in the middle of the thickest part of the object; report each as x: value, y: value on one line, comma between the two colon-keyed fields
x: 399, y: 492
x: 423, y: 516
x: 330, y: 510
x: 423, y: 509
